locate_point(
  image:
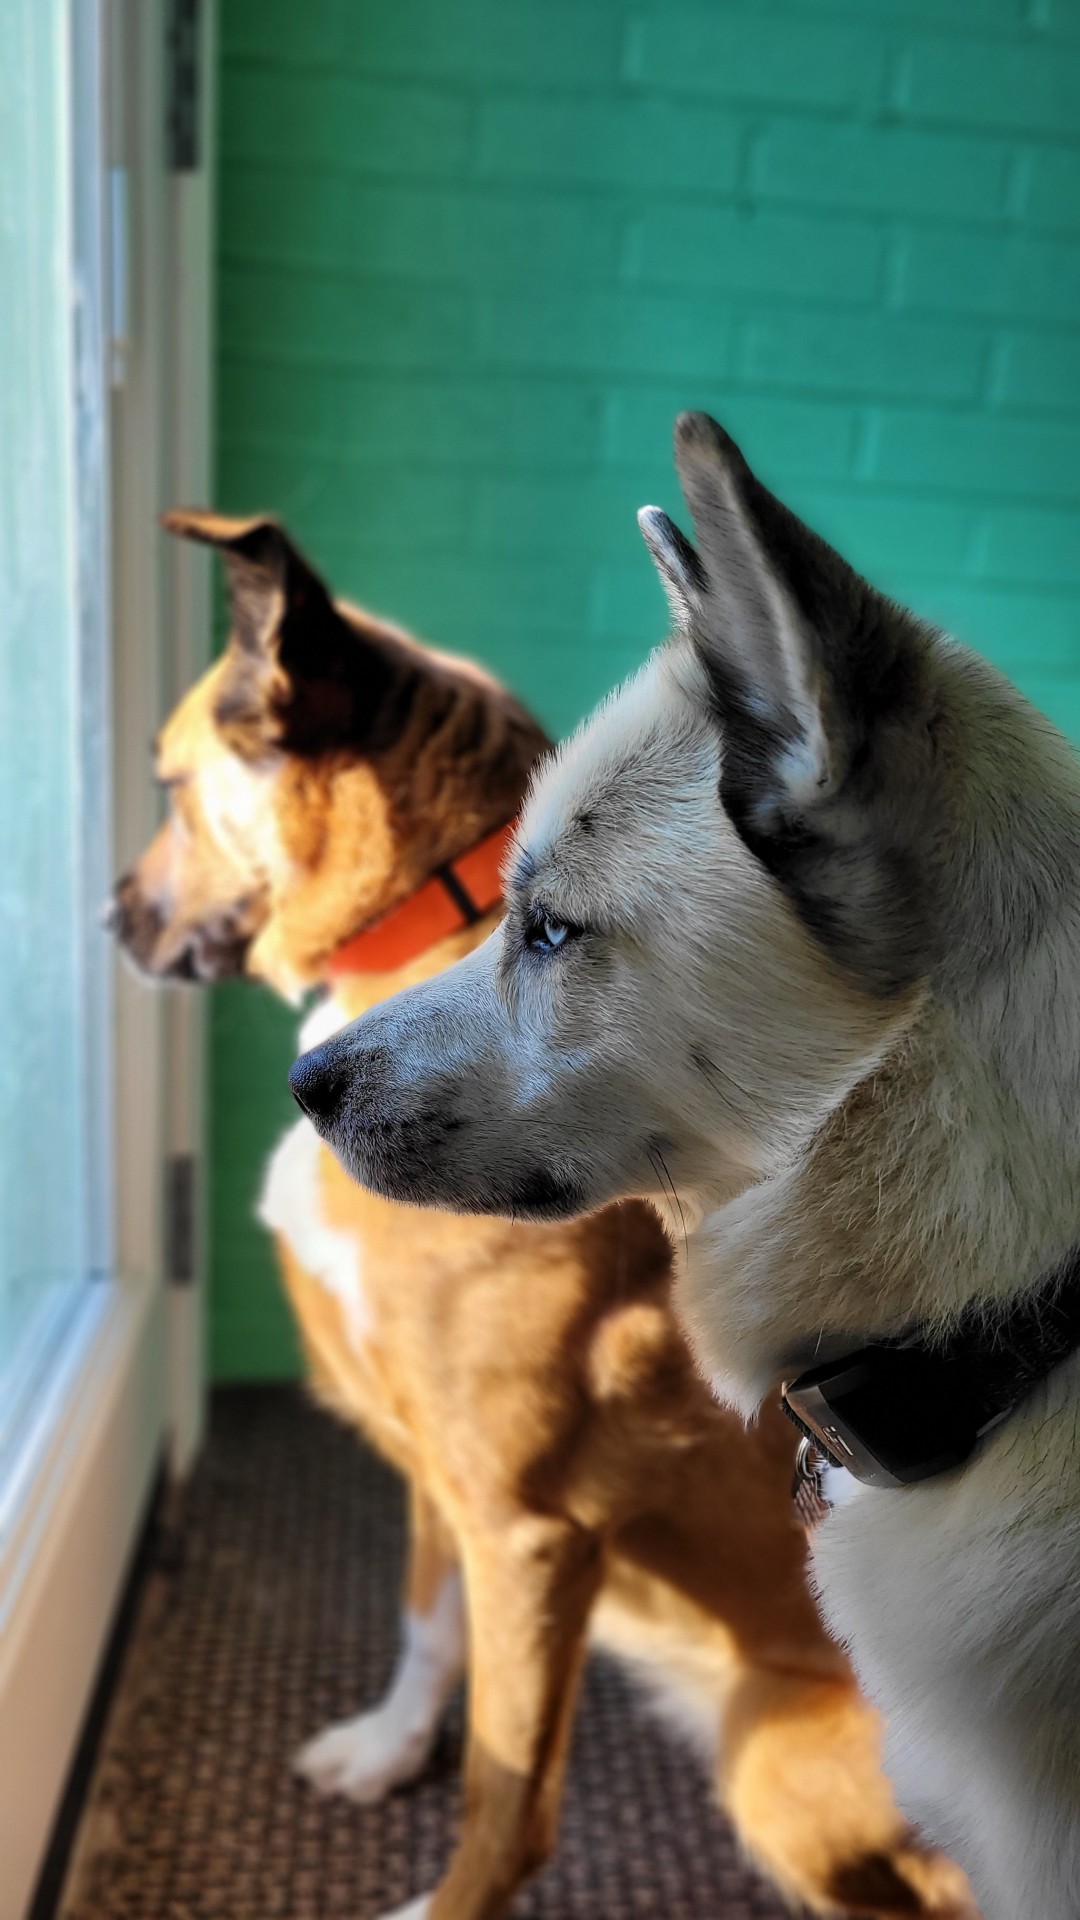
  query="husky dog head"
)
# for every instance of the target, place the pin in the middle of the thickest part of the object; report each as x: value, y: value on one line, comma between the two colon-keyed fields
x: 316, y: 774
x: 783, y: 924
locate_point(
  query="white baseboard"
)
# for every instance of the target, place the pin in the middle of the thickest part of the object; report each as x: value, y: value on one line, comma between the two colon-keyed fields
x: 62, y: 1567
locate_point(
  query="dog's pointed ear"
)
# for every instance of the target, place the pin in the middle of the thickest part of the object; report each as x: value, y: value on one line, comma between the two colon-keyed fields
x: 270, y: 582
x: 301, y: 674
x: 813, y: 677
x: 676, y: 563
x: 783, y: 623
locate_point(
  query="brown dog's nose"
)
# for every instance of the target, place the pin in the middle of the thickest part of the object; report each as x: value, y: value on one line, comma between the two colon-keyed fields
x: 120, y: 908
x: 318, y: 1080
x: 135, y: 921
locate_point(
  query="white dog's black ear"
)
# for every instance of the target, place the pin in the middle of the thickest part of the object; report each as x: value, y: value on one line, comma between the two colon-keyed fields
x: 782, y: 621
x: 813, y: 677
x: 675, y: 562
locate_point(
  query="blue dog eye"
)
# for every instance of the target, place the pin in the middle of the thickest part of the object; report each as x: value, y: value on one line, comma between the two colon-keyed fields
x: 545, y: 934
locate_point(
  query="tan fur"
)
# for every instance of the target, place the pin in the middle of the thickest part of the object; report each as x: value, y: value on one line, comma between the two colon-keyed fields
x: 531, y: 1382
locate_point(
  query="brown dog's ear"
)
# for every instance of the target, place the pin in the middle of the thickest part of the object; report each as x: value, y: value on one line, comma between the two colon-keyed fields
x: 301, y: 676
x: 270, y: 582
x: 215, y: 529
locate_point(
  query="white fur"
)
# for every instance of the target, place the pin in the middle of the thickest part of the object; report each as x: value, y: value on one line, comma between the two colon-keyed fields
x: 838, y: 1487
x: 327, y: 1016
x: 416, y: 1909
x: 959, y: 1599
x: 236, y: 800
x: 289, y: 1205
x: 366, y: 1758
x: 683, y: 1681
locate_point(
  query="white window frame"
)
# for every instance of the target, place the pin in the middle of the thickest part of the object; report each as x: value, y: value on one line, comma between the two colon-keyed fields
x: 128, y: 1389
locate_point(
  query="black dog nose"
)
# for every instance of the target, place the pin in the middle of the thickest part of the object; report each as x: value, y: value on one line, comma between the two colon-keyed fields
x: 317, y: 1081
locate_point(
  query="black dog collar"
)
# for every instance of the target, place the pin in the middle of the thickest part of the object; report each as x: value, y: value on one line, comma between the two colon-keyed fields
x: 903, y: 1410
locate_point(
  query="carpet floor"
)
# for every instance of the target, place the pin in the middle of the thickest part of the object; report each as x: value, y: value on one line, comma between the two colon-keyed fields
x: 273, y: 1610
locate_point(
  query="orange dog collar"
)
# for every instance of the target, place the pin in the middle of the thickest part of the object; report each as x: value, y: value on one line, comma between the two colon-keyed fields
x: 457, y: 896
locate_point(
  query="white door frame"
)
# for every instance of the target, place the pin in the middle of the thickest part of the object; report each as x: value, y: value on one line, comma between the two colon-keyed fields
x: 162, y: 456
x: 133, y: 1390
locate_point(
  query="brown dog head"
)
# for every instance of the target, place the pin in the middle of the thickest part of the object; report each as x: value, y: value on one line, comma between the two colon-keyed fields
x: 317, y: 774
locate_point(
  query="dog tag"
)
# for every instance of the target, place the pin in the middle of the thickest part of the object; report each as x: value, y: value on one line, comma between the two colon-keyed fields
x: 808, y: 1484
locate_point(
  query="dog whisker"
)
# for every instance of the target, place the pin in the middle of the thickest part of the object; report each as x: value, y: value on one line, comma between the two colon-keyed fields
x: 660, y: 1168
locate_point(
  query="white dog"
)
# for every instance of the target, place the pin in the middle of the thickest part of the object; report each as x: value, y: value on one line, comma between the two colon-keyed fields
x: 793, y: 941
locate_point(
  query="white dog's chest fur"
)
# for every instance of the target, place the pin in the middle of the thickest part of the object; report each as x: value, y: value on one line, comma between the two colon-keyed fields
x: 960, y: 1600
x: 290, y: 1202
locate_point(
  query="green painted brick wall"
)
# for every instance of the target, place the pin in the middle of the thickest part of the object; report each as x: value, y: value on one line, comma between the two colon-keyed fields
x: 475, y: 254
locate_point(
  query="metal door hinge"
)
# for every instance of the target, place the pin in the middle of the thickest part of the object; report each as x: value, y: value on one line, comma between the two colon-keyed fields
x: 184, y: 83
x: 180, y: 1175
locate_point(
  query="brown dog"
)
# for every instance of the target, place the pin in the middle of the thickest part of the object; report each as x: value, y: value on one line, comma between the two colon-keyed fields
x: 567, y: 1469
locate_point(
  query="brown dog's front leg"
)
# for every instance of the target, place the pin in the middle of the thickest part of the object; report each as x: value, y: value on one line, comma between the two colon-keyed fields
x: 365, y: 1758
x: 530, y: 1591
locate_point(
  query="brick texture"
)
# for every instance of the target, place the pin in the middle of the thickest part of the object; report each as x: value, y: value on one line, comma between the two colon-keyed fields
x: 475, y: 254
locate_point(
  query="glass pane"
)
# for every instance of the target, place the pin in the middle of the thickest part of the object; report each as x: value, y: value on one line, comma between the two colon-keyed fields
x: 52, y: 814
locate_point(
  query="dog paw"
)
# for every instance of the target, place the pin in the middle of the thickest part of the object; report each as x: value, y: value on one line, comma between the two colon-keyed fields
x: 912, y: 1879
x: 412, y: 1910
x: 364, y: 1759
x: 941, y: 1887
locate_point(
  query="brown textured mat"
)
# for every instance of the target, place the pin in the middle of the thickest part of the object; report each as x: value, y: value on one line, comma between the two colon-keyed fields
x: 280, y: 1613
